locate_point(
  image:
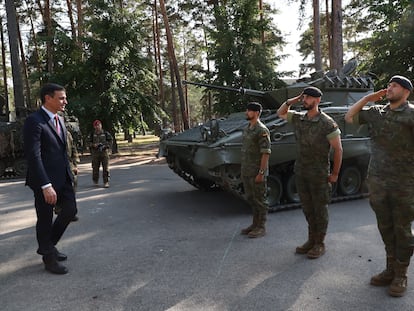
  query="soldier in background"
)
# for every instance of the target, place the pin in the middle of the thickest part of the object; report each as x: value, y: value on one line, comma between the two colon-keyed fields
x: 390, y: 176
x: 74, y: 159
x: 100, y: 143
x: 316, y: 133
x: 73, y: 156
x: 254, y: 169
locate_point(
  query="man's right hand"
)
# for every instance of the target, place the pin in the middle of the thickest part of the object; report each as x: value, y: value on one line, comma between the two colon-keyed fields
x: 376, y: 96
x: 50, y: 195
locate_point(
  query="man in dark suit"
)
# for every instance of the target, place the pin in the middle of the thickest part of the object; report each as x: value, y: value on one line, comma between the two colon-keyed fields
x: 49, y: 174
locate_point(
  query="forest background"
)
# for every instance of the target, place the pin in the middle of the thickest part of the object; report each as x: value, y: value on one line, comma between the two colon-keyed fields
x: 123, y: 61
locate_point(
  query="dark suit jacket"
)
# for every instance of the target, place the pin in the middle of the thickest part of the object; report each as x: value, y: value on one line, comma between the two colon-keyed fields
x: 45, y: 151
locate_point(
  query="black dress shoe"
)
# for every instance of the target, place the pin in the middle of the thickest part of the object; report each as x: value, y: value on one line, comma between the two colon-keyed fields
x: 60, y: 256
x: 52, y: 265
x: 75, y: 218
x: 56, y: 268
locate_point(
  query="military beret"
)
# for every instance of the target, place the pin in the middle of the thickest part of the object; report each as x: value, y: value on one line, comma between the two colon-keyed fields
x: 312, y: 91
x: 253, y: 106
x: 403, y: 81
x: 96, y: 122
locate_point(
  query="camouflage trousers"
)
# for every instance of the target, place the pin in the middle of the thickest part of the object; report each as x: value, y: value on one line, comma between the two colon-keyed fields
x: 75, y: 182
x: 97, y: 159
x: 315, y: 194
x: 393, y: 204
x: 255, y: 195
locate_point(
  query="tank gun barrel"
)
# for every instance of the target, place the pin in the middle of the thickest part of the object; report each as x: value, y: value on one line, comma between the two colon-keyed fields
x: 241, y: 90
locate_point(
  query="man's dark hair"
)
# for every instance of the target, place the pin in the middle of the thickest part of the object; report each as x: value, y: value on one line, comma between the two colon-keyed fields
x: 49, y: 89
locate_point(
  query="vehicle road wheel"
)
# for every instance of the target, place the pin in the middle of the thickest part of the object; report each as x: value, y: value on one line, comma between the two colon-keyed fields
x: 205, y: 184
x: 350, y: 181
x: 274, y: 190
x: 292, y: 194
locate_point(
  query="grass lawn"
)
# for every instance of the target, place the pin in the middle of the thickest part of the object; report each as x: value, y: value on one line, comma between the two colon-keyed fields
x: 140, y: 144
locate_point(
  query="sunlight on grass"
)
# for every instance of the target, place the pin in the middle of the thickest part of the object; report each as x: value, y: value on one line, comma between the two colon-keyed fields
x: 140, y: 145
x: 139, y: 140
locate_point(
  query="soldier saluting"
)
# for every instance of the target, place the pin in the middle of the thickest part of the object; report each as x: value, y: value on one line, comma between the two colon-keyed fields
x: 390, y: 176
x: 316, y: 133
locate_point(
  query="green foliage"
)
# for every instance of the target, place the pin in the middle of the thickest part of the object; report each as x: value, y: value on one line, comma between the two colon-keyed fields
x: 306, y: 46
x: 389, y: 48
x: 113, y: 79
x: 240, y: 57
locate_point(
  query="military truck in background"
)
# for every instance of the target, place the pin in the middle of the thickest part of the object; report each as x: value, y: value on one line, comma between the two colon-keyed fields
x: 208, y: 156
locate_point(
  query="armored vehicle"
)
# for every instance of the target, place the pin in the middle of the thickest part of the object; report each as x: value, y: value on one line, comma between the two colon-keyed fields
x: 208, y: 156
x: 12, y: 162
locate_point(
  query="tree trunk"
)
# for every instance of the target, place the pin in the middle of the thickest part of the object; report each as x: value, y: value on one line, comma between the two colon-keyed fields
x: 317, y: 35
x: 176, y: 122
x: 261, y: 19
x: 15, y: 59
x: 154, y: 40
x: 3, y: 57
x: 187, y: 105
x: 80, y: 23
x: 161, y: 74
x: 72, y: 23
x: 329, y: 32
x: 142, y: 124
x: 36, y: 48
x: 337, y: 44
x: 49, y: 41
x: 209, y: 97
x: 39, y: 4
x: 24, y: 67
x: 173, y: 59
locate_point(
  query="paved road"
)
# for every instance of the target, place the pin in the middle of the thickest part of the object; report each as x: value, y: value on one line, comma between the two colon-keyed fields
x: 152, y: 242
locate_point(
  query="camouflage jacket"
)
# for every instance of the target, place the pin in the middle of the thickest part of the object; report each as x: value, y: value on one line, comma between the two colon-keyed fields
x: 256, y: 141
x: 73, y: 155
x: 392, y: 140
x: 312, y: 137
x: 103, y: 141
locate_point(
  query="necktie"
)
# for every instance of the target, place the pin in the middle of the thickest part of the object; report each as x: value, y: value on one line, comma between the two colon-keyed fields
x: 57, y: 124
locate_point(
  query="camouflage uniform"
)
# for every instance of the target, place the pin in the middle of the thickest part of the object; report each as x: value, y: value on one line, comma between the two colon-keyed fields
x: 100, y: 154
x: 73, y: 157
x: 256, y: 141
x: 390, y: 175
x: 312, y: 166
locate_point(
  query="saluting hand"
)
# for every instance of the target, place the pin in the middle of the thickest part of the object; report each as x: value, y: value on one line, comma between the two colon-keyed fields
x: 376, y: 96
